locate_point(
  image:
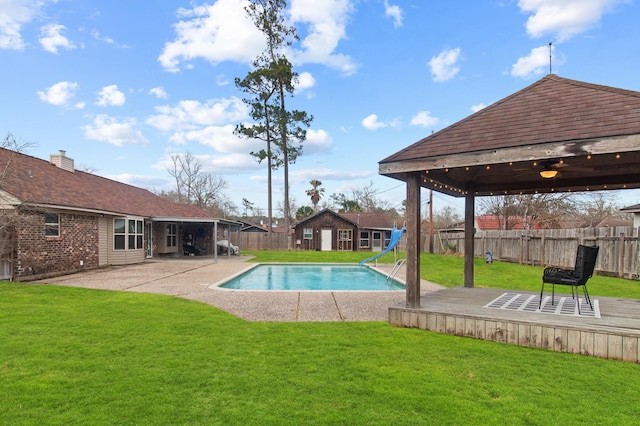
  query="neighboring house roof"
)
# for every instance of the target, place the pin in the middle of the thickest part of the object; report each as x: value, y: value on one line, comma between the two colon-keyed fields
x: 359, y: 220
x: 369, y: 220
x: 492, y: 222
x: 38, y: 182
x: 610, y: 222
x: 631, y: 209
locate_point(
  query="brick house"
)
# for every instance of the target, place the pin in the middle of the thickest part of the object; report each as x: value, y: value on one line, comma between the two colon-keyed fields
x: 328, y: 230
x: 57, y: 220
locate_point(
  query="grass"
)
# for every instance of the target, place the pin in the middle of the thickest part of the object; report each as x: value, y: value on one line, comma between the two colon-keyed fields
x: 81, y: 356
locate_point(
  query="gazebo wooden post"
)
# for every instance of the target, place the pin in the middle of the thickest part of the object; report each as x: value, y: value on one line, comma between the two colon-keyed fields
x: 469, y: 231
x: 413, y: 240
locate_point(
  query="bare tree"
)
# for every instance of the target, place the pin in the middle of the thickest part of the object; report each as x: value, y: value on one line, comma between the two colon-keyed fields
x: 193, y: 185
x: 8, y: 220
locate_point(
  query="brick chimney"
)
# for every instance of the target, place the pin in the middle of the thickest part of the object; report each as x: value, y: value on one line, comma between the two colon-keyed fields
x: 62, y: 161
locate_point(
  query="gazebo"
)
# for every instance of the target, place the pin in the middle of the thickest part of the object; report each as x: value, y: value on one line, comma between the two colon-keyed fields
x: 556, y: 135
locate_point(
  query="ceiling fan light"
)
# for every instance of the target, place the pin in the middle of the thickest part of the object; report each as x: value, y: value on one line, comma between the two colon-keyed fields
x: 548, y: 173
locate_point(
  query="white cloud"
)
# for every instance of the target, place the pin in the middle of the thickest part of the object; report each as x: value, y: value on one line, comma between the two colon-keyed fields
x: 13, y: 15
x: 111, y: 96
x: 305, y: 81
x: 327, y: 21
x: 220, y: 138
x: 222, y: 164
x: 222, y: 31
x: 109, y: 129
x: 445, y: 66
x: 324, y: 174
x: 59, y: 94
x: 216, y: 33
x: 478, y: 107
x: 564, y: 18
x: 51, y: 38
x: 192, y: 115
x: 394, y: 12
x: 158, y: 92
x: 317, y: 142
x: 424, y: 119
x: 536, y: 63
x: 371, y: 122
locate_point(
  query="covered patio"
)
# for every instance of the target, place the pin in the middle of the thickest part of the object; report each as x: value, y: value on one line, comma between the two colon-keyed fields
x: 556, y: 135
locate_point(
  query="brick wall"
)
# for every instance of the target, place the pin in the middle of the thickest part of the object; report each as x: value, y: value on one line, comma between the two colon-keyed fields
x: 37, y: 256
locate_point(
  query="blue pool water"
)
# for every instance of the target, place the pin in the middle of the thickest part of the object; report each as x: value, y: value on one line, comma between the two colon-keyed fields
x: 312, y: 277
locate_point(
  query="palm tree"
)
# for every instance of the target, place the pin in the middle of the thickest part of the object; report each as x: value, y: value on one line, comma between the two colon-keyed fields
x: 315, y: 193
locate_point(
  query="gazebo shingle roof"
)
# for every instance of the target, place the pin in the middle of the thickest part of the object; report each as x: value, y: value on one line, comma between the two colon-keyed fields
x: 588, y: 133
x: 550, y: 110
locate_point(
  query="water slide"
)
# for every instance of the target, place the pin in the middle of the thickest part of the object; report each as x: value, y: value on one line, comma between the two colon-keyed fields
x: 396, y: 234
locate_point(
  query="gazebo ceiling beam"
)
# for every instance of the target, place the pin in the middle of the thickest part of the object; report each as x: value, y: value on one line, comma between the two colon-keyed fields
x: 547, y: 151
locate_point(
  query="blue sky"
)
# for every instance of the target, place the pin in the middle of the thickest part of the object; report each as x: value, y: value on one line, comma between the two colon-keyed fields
x: 122, y: 85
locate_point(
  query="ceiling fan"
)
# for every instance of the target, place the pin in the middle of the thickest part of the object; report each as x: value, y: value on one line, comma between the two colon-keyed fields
x: 549, y: 169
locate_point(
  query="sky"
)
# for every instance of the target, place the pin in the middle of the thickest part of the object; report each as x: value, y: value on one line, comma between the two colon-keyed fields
x: 121, y: 86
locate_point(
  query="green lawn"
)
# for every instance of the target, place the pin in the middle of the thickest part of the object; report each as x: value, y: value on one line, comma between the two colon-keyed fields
x: 80, y: 356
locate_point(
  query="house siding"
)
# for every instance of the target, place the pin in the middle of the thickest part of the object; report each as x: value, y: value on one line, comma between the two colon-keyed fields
x: 325, y: 220
x: 122, y: 257
x: 37, y: 256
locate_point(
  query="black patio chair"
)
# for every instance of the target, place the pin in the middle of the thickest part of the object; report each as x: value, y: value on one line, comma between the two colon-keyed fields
x: 577, y: 277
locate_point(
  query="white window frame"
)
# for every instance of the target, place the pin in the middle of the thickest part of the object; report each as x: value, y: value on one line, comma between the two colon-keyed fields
x: 366, y: 241
x: 50, y: 225
x: 307, y: 234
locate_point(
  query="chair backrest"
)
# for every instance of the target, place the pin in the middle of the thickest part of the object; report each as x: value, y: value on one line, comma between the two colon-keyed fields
x: 585, y: 262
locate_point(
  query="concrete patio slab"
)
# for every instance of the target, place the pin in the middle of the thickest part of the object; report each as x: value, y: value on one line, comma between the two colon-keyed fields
x: 197, y: 279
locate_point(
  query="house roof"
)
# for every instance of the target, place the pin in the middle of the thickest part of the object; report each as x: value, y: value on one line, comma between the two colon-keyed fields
x: 39, y: 182
x: 589, y: 133
x: 493, y: 222
x: 369, y: 220
x: 632, y: 209
x: 359, y: 220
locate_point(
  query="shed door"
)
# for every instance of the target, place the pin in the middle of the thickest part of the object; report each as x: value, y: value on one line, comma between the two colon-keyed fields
x: 376, y: 241
x: 325, y: 239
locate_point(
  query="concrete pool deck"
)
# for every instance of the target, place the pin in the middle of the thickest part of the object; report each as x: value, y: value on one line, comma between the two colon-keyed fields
x: 196, y: 279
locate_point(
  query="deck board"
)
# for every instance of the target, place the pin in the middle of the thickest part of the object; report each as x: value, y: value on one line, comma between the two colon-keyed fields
x: 461, y: 311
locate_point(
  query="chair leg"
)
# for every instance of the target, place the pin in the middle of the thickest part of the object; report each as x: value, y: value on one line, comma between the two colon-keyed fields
x: 586, y: 296
x: 541, y: 291
x: 553, y: 293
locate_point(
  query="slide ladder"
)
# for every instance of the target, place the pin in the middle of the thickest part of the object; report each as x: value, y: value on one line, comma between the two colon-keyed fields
x: 396, y: 234
x: 395, y: 269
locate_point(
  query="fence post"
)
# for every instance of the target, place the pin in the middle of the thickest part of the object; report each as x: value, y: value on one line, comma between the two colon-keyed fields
x: 542, y: 250
x: 621, y: 258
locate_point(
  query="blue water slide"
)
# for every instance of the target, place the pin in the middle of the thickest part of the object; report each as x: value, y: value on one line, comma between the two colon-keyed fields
x: 396, y: 234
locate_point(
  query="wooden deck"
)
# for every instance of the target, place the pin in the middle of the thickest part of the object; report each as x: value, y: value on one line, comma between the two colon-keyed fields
x: 461, y: 311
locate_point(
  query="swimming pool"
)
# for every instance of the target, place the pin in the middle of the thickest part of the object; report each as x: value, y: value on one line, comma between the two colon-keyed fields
x: 327, y: 277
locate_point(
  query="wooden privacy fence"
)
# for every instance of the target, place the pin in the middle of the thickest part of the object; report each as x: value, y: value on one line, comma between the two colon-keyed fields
x: 619, y: 253
x: 260, y: 241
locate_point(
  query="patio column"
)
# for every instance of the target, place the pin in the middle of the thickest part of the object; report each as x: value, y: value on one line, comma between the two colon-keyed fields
x: 413, y: 241
x: 469, y: 231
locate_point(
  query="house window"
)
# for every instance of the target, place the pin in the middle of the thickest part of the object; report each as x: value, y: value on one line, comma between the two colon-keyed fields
x: 135, y: 234
x: 119, y: 233
x: 307, y: 234
x: 172, y: 235
x: 52, y: 225
x: 345, y: 239
x: 364, y: 239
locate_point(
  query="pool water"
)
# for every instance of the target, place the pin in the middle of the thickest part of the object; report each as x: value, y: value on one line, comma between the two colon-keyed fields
x: 328, y: 277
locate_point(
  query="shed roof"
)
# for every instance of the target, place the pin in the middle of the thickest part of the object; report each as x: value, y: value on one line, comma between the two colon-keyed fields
x: 38, y: 182
x: 589, y: 133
